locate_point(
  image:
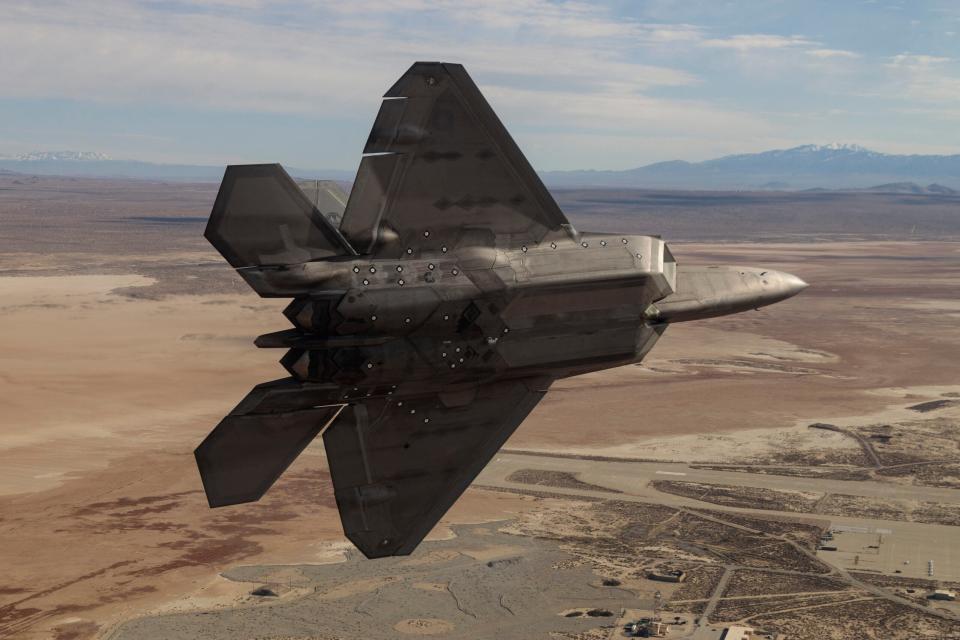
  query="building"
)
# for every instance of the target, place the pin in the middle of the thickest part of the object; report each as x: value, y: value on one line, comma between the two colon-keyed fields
x: 667, y: 576
x: 646, y: 628
x: 737, y: 632
x: 656, y: 629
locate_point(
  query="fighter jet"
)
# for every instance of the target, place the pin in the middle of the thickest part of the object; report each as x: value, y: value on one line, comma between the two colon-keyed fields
x: 434, y: 317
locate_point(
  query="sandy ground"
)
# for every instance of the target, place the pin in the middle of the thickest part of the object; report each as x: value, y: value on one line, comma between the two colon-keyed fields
x: 503, y: 586
x: 103, y: 397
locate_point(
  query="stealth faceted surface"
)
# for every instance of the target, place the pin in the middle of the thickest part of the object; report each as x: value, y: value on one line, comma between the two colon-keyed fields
x: 455, y: 296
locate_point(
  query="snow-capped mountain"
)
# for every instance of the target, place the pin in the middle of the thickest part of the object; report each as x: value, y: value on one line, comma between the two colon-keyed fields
x: 58, y: 156
x: 835, y: 166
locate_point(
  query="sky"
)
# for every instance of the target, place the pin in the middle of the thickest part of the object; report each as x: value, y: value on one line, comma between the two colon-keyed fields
x: 601, y: 85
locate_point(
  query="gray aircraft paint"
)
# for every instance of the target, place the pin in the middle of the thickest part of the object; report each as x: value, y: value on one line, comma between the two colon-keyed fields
x: 433, y: 319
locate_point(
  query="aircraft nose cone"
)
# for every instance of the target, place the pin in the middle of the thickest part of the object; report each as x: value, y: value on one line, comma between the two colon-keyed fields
x: 787, y: 285
x: 793, y: 284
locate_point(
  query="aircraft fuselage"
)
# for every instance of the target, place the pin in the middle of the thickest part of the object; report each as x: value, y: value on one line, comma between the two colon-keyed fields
x: 468, y: 314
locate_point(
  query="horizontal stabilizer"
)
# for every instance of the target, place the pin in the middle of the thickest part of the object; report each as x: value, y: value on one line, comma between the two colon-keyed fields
x: 262, y: 218
x: 245, y: 454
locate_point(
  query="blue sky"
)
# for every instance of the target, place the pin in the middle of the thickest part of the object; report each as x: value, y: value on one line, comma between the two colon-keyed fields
x: 598, y: 85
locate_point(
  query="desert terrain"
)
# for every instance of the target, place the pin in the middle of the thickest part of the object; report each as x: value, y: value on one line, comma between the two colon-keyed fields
x: 729, y: 453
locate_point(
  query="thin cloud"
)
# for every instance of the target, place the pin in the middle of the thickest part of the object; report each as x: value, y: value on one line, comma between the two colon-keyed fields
x: 624, y: 114
x: 926, y: 79
x: 749, y: 42
x: 832, y: 53
x: 123, y: 52
x: 560, y: 72
x: 911, y: 60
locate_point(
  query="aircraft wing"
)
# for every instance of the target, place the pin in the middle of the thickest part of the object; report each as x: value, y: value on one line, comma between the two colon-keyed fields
x: 440, y: 168
x: 398, y: 465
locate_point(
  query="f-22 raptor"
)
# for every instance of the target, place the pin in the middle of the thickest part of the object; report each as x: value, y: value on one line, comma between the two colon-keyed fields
x: 436, y: 315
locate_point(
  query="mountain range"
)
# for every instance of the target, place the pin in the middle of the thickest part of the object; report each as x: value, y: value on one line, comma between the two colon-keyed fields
x: 93, y: 164
x: 832, y: 166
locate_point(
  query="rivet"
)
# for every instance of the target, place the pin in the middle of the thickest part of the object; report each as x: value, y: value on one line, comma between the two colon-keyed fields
x: 446, y: 317
x: 373, y: 269
x: 443, y: 355
x: 407, y: 320
x: 461, y: 359
x: 412, y: 411
x: 426, y: 234
x: 584, y: 245
x: 373, y: 317
x: 506, y: 330
x: 356, y: 269
x: 400, y: 282
x: 523, y: 248
x: 457, y: 349
x: 399, y: 268
x: 553, y: 245
x: 365, y: 281
x: 426, y: 420
x: 639, y: 257
x: 443, y: 249
x: 431, y: 266
x: 623, y: 240
x: 455, y: 272
x: 409, y: 251
x: 369, y: 365
x: 400, y: 404
x: 603, y: 243
x: 453, y: 366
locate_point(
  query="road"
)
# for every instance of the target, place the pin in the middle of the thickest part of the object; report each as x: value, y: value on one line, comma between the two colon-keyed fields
x: 633, y: 477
